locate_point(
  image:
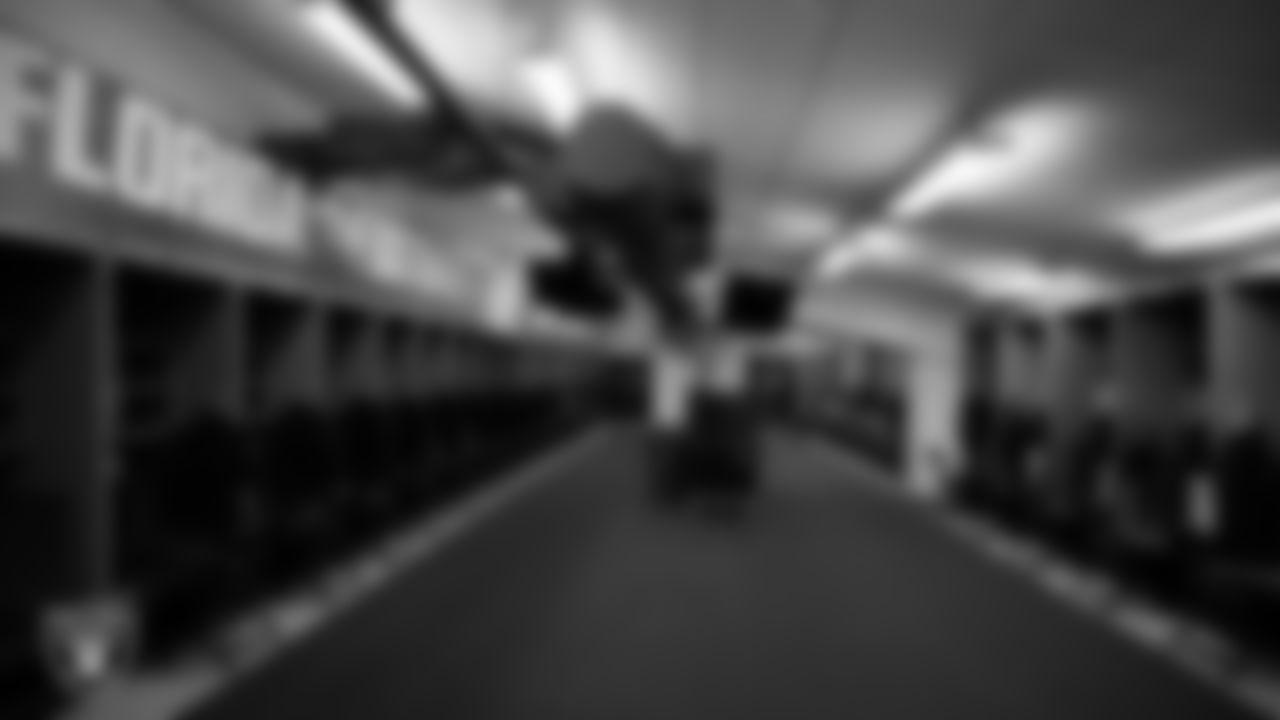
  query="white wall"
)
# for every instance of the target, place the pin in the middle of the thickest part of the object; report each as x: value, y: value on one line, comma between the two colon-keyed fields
x: 929, y: 332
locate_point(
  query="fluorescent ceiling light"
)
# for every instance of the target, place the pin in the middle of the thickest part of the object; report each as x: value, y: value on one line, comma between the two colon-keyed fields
x: 959, y: 171
x: 1018, y: 148
x: 557, y: 92
x: 1031, y: 284
x: 1244, y: 227
x: 330, y: 21
x: 878, y: 245
x: 1240, y: 211
x: 1204, y: 201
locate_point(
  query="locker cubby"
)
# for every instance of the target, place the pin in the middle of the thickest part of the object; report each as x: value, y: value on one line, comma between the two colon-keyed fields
x: 1022, y: 364
x: 1160, y: 359
x: 1159, y: 373
x: 875, y: 417
x: 425, y: 343
x: 1246, y: 424
x: 402, y: 378
x: 409, y: 411
x: 980, y: 347
x: 1246, y: 352
x: 163, y: 327
x: 298, y: 448
x: 285, y: 354
x: 347, y: 332
x: 362, y: 413
x: 52, y: 454
x: 182, y: 452
x: 1088, y: 379
x: 452, y: 369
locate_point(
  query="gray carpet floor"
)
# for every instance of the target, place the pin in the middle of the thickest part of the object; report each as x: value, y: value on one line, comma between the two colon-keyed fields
x: 829, y: 601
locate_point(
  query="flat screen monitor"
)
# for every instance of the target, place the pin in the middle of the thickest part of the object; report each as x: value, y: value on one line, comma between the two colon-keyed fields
x: 572, y: 286
x: 757, y: 305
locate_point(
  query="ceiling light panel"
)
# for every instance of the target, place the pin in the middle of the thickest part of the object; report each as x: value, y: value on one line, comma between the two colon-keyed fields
x: 478, y: 45
x: 1018, y: 150
x: 875, y: 247
x: 1224, y: 214
x: 334, y: 25
x: 1029, y: 283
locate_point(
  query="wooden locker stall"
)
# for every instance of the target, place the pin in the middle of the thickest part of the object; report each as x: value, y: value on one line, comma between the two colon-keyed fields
x: 1236, y: 502
x: 405, y: 397
x: 1160, y: 370
x: 1161, y: 358
x: 182, y: 450
x: 1245, y: 353
x: 359, y: 377
x: 298, y: 446
x: 1087, y: 384
x: 287, y: 367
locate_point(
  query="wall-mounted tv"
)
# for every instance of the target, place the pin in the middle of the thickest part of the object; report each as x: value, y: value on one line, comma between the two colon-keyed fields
x: 571, y: 285
x: 757, y: 305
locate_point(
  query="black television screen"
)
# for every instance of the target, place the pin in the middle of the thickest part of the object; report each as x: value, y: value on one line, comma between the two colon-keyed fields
x: 756, y: 304
x: 572, y: 286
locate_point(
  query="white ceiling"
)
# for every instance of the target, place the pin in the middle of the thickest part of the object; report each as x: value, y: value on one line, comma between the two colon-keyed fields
x: 838, y: 103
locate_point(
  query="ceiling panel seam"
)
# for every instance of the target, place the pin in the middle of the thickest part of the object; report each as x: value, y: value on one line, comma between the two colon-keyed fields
x: 698, y: 105
x: 841, y: 13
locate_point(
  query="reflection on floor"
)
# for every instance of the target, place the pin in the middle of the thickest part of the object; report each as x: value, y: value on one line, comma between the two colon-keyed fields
x: 582, y: 600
